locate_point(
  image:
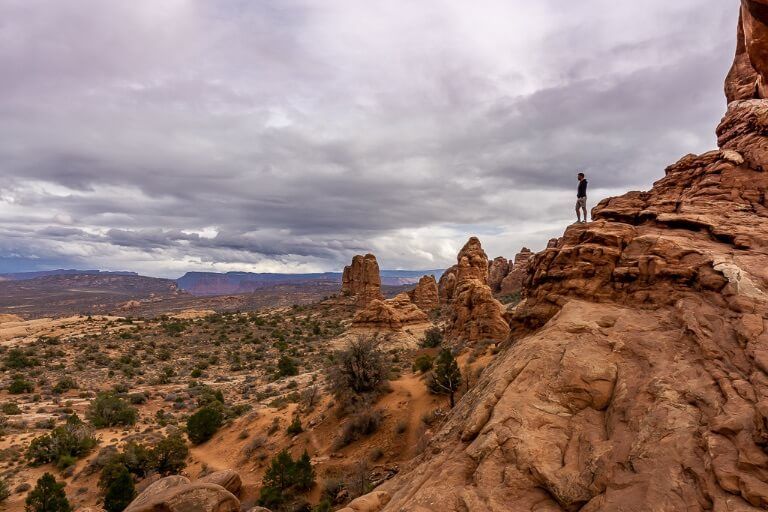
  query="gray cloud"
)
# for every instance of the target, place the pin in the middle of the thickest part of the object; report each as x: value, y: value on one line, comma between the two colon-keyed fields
x: 270, y: 136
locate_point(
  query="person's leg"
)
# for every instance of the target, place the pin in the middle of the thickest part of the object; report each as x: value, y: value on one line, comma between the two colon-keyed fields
x: 584, y: 207
x: 578, y: 212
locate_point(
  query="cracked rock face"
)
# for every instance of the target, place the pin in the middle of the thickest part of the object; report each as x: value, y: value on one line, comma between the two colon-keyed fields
x: 636, y: 377
x: 392, y: 314
x: 748, y: 76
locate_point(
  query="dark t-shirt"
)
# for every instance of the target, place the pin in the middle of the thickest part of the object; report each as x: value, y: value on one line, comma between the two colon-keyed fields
x: 582, y: 192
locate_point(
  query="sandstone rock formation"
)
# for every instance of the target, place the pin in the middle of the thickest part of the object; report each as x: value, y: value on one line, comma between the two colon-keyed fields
x: 513, y: 281
x: 227, y: 478
x: 177, y: 494
x: 425, y: 295
x: 447, y: 284
x: 392, y: 314
x: 638, y: 376
x: 749, y: 73
x: 497, y: 271
x: 475, y: 315
x: 362, y: 280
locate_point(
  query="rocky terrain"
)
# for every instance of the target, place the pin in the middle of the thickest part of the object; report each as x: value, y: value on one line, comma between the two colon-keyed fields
x: 624, y: 367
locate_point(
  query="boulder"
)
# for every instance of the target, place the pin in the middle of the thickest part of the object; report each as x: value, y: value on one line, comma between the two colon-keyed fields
x: 227, y: 478
x: 177, y: 494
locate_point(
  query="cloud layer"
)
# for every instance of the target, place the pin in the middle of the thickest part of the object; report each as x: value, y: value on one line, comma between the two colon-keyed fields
x: 288, y: 135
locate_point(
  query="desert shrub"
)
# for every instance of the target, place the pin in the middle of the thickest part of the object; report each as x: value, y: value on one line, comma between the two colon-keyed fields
x: 286, y: 366
x: 47, y: 496
x: 17, y: 359
x: 10, y: 408
x: 204, y: 423
x: 64, y: 385
x: 64, y: 444
x: 295, y: 427
x: 19, y: 385
x: 109, y: 410
x: 433, y: 337
x: 117, y: 484
x: 4, y: 490
x: 358, y: 372
x: 422, y: 364
x: 360, y: 425
x: 511, y: 299
x: 169, y: 456
x: 446, y: 376
x: 285, y: 478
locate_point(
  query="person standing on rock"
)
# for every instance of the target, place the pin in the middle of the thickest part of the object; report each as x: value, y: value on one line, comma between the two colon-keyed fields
x: 581, y: 198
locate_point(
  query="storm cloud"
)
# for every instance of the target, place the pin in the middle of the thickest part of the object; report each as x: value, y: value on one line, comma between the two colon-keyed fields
x: 288, y: 135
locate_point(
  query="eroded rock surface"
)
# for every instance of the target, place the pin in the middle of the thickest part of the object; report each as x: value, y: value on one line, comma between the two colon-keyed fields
x: 748, y: 76
x: 475, y: 315
x: 636, y: 376
x: 518, y: 270
x: 177, y: 494
x: 392, y: 314
x: 426, y: 295
x: 362, y: 280
x: 497, y: 271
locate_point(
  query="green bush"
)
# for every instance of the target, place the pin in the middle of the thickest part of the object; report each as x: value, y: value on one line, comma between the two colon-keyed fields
x: 4, y: 491
x: 204, y: 423
x: 64, y: 385
x: 17, y: 358
x: 422, y: 364
x: 446, y: 376
x: 19, y: 386
x: 169, y: 456
x: 10, y: 408
x: 63, y: 445
x: 47, y: 496
x: 285, y: 478
x: 117, y: 484
x: 295, y: 427
x: 108, y: 410
x: 432, y: 338
x: 286, y: 366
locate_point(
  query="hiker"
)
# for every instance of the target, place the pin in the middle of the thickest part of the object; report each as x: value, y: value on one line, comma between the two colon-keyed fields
x: 581, y: 198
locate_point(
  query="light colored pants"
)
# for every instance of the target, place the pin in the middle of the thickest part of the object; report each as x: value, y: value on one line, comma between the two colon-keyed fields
x: 581, y: 203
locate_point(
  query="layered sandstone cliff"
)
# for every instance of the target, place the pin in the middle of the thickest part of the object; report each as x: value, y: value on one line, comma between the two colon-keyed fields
x: 361, y: 280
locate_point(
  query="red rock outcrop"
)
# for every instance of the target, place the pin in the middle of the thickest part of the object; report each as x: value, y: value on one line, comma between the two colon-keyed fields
x: 475, y: 315
x: 362, y: 280
x: 497, y: 271
x: 426, y: 295
x: 638, y: 375
x: 177, y: 494
x: 748, y: 76
x: 513, y: 281
x: 392, y: 314
x: 446, y: 286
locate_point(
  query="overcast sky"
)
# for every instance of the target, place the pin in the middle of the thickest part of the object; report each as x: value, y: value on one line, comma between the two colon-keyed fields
x: 288, y: 135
